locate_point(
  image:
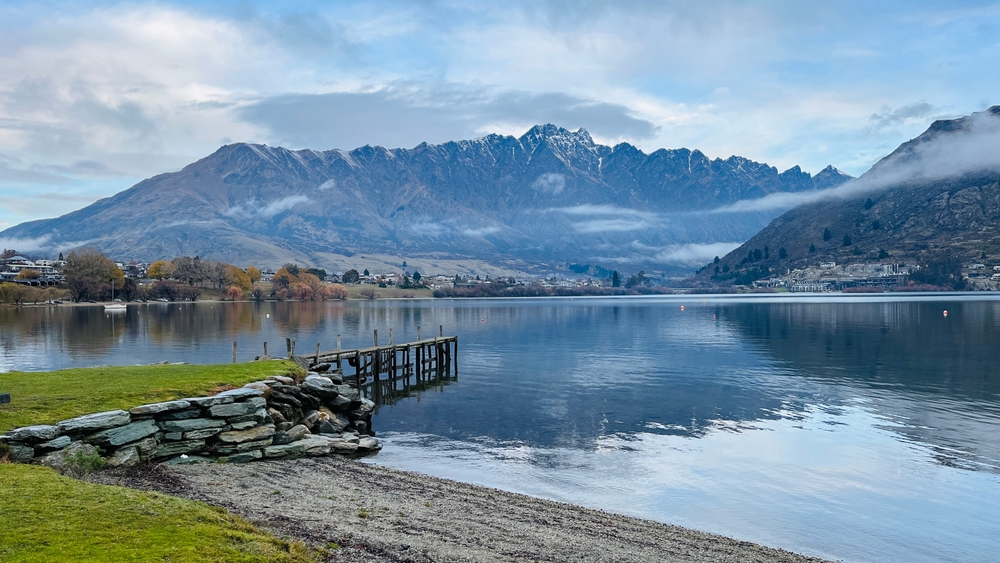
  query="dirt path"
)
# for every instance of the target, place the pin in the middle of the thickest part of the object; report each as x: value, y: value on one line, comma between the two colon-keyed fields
x: 383, y: 515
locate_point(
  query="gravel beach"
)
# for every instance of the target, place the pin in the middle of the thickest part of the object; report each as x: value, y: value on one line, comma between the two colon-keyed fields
x: 376, y: 514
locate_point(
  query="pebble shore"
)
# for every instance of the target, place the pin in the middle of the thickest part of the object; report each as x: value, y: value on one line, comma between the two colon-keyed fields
x: 376, y: 514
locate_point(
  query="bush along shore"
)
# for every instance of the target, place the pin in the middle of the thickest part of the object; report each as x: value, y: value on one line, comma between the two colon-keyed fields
x: 276, y: 418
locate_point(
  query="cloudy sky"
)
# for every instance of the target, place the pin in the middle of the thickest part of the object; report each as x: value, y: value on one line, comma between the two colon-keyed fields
x: 96, y: 97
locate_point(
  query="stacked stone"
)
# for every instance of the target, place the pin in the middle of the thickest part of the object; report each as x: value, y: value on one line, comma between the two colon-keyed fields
x: 275, y: 418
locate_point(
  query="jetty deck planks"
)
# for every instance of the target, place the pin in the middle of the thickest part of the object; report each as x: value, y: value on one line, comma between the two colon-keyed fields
x: 423, y: 359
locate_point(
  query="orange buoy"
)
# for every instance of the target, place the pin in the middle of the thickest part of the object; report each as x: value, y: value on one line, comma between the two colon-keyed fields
x: 482, y: 320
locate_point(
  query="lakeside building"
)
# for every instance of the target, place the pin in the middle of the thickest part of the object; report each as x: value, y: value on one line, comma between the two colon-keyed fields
x: 829, y: 276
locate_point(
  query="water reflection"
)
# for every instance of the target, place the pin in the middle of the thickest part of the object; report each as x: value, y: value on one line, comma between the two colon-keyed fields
x: 861, y: 428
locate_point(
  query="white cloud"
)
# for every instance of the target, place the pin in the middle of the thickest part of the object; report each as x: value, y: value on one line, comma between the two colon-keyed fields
x: 550, y: 183
x: 427, y: 229
x: 481, y: 232
x: 26, y: 244
x: 328, y: 185
x: 610, y: 225
x: 696, y: 253
x: 253, y: 208
x: 941, y: 155
x: 589, y: 210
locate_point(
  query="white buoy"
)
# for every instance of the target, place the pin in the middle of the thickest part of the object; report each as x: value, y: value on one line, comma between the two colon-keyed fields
x: 946, y: 312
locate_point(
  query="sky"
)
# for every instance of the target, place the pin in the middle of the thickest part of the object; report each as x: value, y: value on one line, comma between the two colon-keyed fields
x: 97, y: 96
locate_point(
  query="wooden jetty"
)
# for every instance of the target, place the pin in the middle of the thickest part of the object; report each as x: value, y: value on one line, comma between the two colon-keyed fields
x: 424, y: 358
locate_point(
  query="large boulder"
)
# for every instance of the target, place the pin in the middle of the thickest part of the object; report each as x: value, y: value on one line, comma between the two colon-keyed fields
x: 256, y: 433
x: 94, y: 422
x: 230, y: 449
x: 171, y: 449
x: 260, y: 386
x: 57, y: 444
x: 38, y: 433
x: 238, y: 409
x: 190, y: 424
x: 350, y: 393
x: 322, y: 387
x: 21, y: 454
x: 158, y: 408
x: 75, y: 460
x: 124, y: 434
x: 297, y: 432
x: 295, y: 449
x: 125, y: 457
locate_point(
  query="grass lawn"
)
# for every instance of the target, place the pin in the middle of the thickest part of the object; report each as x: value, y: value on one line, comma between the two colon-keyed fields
x: 48, y: 397
x: 48, y: 517
x: 354, y: 291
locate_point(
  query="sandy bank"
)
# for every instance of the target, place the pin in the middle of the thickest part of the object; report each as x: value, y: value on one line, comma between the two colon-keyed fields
x: 384, y: 515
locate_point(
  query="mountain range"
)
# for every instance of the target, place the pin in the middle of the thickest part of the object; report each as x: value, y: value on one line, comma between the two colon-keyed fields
x: 497, y: 203
x: 935, y: 199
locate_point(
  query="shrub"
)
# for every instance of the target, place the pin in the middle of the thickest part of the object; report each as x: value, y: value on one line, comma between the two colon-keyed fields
x: 368, y: 293
x: 336, y: 291
x: 80, y: 463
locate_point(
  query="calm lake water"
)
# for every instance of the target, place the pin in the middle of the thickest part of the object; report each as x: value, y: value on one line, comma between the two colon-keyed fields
x: 855, y: 428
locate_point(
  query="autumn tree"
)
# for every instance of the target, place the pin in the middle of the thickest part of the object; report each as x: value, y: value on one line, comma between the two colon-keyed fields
x: 282, y: 279
x: 254, y: 274
x: 159, y: 270
x: 336, y: 291
x: 239, y: 278
x: 28, y: 274
x: 88, y: 272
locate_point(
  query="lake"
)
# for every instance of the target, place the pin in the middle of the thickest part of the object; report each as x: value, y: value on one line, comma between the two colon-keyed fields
x: 861, y: 428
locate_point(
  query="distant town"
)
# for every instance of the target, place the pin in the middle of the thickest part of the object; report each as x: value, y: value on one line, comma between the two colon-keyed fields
x: 89, y: 276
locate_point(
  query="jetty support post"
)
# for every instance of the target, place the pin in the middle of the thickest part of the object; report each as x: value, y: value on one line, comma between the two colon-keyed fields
x: 316, y: 358
x: 234, y: 351
x: 390, y: 337
x: 288, y: 347
x: 265, y: 349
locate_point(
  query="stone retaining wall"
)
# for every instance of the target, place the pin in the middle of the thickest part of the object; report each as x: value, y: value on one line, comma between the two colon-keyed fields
x: 277, y: 418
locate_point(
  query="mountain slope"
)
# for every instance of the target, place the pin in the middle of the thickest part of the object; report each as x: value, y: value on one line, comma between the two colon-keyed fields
x: 549, y: 197
x: 936, y: 196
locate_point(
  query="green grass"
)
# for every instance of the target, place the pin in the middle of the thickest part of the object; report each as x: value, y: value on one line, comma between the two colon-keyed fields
x: 48, y: 517
x: 48, y: 397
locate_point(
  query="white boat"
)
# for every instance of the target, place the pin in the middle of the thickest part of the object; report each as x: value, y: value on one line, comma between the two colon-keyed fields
x: 114, y: 306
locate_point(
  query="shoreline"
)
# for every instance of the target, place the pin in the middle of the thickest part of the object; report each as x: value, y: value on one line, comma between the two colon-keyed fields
x: 377, y: 514
x: 675, y: 296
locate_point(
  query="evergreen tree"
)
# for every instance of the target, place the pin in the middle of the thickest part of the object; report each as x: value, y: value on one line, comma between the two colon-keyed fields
x: 616, y: 279
x: 827, y: 235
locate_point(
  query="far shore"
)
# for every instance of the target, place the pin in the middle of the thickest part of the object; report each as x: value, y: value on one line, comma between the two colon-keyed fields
x: 677, y: 295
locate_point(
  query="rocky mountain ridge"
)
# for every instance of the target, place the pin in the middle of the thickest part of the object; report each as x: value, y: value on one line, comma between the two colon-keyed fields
x: 549, y: 197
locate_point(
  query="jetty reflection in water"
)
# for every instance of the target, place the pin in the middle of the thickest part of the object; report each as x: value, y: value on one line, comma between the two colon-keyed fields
x: 857, y: 428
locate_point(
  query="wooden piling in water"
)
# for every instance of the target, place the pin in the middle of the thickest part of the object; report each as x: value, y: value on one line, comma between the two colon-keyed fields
x: 234, y: 351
